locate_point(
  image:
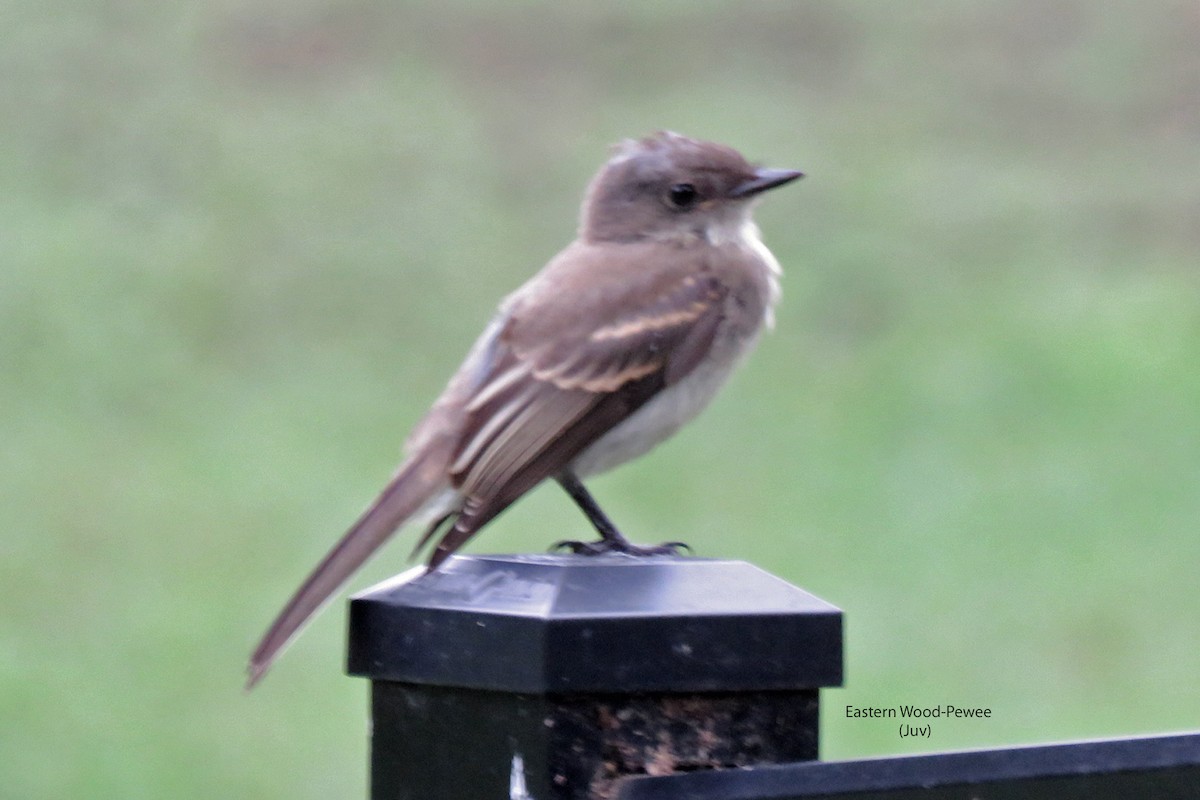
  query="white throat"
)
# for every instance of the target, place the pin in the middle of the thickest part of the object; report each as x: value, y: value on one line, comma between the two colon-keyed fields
x: 740, y: 231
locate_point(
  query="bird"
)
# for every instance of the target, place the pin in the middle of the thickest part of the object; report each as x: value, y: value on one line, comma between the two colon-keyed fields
x: 621, y: 339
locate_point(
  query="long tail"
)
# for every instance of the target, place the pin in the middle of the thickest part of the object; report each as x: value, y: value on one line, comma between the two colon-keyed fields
x: 418, y: 480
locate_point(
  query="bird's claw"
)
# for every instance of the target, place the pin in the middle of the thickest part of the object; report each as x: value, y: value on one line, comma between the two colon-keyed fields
x: 605, y: 546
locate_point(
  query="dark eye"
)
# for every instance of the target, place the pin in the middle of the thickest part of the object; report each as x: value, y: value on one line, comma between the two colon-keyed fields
x: 682, y: 195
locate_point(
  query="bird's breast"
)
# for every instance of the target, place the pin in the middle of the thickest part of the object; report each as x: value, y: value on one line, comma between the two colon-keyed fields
x: 673, y: 407
x: 751, y: 273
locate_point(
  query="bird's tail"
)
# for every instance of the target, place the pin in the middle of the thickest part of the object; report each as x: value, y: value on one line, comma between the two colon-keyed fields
x: 418, y: 480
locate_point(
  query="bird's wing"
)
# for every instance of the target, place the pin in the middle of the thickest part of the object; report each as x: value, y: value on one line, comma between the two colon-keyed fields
x: 570, y: 367
x: 551, y: 375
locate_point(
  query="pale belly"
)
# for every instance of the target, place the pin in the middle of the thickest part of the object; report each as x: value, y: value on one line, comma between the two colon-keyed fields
x: 663, y: 415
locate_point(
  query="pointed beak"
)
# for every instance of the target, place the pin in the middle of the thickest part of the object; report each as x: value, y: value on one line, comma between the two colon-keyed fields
x: 764, y: 179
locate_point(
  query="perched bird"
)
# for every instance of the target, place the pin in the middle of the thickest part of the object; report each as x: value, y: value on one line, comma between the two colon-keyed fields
x: 621, y: 339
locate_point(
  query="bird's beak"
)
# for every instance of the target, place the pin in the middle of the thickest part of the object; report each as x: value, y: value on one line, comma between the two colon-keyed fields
x: 764, y: 179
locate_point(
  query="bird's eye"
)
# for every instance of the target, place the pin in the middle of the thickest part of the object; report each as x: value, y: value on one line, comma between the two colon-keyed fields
x: 682, y: 195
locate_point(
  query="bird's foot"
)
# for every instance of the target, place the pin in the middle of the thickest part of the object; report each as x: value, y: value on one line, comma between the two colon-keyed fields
x: 606, y: 546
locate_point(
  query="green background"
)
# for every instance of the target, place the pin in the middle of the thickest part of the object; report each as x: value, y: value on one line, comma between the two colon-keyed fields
x: 242, y: 246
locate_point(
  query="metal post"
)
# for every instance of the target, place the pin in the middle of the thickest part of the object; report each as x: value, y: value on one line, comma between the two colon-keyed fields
x: 553, y: 677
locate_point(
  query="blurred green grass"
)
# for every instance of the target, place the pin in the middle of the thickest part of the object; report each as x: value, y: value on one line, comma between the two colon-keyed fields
x: 243, y: 247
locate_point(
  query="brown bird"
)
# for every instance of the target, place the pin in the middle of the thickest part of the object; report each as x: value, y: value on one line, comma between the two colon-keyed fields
x: 621, y: 339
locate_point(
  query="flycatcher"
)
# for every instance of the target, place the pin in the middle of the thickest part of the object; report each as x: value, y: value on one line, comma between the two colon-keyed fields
x: 621, y: 339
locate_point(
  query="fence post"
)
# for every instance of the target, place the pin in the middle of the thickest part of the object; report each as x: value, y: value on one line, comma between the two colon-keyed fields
x: 552, y: 677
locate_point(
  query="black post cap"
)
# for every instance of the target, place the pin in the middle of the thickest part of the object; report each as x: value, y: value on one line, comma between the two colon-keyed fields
x: 544, y: 624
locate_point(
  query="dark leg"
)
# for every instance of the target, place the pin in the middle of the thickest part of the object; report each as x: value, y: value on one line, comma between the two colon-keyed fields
x: 611, y: 540
x: 609, y: 535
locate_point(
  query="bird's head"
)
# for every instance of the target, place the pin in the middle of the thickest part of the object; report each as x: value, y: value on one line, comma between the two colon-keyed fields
x: 671, y: 187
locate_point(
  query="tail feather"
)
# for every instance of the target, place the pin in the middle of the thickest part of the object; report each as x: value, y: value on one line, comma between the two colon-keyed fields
x: 416, y: 482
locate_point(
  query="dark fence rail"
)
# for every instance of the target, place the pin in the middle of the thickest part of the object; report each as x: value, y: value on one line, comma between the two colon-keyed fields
x: 1149, y: 768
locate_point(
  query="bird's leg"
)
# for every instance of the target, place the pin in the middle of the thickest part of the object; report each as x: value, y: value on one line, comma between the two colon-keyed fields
x: 611, y: 540
x: 610, y: 537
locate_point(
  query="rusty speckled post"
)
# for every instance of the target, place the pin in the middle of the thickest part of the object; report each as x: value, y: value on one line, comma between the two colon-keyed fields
x: 555, y: 676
